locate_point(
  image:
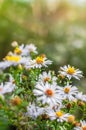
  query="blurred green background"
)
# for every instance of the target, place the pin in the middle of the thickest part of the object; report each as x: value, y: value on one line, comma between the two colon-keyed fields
x: 56, y: 27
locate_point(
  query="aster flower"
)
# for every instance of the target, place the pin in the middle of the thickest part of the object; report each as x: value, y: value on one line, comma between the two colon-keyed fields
x: 31, y: 48
x: 19, y: 50
x: 58, y: 114
x: 39, y: 62
x: 47, y: 93
x: 34, y: 111
x: 82, y: 127
x: 25, y: 50
x: 70, y: 71
x: 81, y: 96
x: 13, y: 60
x: 46, y: 77
x: 5, y: 64
x: 68, y: 92
x: 7, y: 87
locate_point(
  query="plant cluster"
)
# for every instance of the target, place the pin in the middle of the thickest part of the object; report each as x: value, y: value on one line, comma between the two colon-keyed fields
x: 34, y: 97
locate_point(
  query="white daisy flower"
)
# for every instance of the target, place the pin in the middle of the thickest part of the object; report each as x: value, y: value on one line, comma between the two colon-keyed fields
x: 46, y: 77
x: 82, y: 127
x: 47, y: 93
x: 31, y: 48
x: 7, y: 87
x: 70, y: 72
x: 5, y: 64
x: 81, y: 96
x: 19, y: 50
x: 24, y: 60
x: 58, y: 114
x: 13, y: 60
x: 25, y: 50
x: 39, y: 62
x: 68, y: 92
x: 34, y: 111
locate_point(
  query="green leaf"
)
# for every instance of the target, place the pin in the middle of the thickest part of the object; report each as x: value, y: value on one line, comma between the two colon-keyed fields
x: 18, y: 91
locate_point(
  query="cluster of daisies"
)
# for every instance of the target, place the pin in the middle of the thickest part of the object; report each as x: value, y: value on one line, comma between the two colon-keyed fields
x: 22, y: 55
x: 40, y: 96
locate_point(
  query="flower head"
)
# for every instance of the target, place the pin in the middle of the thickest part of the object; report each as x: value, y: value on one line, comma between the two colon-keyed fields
x: 13, y: 60
x: 70, y: 72
x: 7, y: 87
x: 39, y: 62
x: 34, y: 111
x: 58, y: 114
x: 81, y: 96
x: 46, y: 77
x: 21, y: 50
x: 31, y: 48
x: 68, y: 92
x: 47, y: 93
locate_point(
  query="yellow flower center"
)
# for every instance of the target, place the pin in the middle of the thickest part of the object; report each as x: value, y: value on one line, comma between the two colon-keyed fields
x: 17, y: 51
x: 71, y: 70
x: 66, y: 90
x: 13, y: 58
x: 49, y: 92
x: 84, y: 128
x: 46, y: 79
x: 39, y: 60
x: 71, y: 118
x: 59, y: 113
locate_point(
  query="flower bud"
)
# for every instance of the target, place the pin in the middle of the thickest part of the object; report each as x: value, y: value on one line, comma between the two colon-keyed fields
x: 16, y: 100
x: 71, y: 118
x: 14, y: 44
